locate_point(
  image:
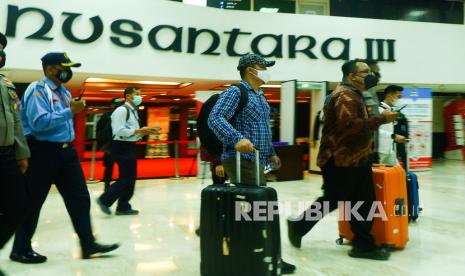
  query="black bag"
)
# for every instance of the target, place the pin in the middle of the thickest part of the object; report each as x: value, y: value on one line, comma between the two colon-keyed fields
x: 207, y: 137
x: 231, y: 246
x: 104, y: 132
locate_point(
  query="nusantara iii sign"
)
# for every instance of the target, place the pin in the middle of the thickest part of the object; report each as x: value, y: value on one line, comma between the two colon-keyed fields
x: 128, y: 33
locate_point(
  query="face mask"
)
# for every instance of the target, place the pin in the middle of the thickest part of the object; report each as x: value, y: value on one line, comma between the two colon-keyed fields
x: 396, y: 102
x: 64, y: 75
x: 137, y: 100
x: 370, y: 81
x: 2, y: 59
x: 264, y: 75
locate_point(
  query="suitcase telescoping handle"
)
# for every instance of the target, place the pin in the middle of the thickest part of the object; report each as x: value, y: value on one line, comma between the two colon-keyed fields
x: 257, y: 167
x: 407, y: 156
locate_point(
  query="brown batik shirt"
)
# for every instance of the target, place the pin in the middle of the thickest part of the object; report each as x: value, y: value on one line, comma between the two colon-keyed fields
x: 347, y: 130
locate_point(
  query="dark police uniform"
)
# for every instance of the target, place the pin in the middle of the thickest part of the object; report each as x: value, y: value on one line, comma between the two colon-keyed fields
x: 13, y: 147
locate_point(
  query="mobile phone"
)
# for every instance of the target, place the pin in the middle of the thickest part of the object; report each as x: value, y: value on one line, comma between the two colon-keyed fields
x: 400, y: 108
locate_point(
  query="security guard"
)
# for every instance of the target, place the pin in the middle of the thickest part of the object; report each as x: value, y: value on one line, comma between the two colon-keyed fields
x: 47, y: 116
x: 14, y: 153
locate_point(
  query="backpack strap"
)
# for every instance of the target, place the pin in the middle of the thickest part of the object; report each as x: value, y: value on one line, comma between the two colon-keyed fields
x: 243, y: 101
x: 127, y: 112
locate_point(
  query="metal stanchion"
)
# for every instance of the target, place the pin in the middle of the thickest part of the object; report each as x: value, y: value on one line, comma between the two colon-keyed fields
x: 176, y: 156
x: 92, y: 164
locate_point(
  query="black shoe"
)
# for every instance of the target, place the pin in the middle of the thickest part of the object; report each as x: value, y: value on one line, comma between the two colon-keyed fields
x: 30, y: 257
x: 103, y: 207
x: 97, y: 248
x: 374, y: 254
x: 197, y: 232
x: 295, y: 239
x: 130, y: 212
x: 287, y: 268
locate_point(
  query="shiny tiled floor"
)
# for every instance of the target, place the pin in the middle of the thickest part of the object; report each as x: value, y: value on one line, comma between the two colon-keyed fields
x: 161, y: 240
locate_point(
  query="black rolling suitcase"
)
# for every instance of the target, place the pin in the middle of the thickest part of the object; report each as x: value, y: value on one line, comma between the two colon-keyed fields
x: 232, y: 245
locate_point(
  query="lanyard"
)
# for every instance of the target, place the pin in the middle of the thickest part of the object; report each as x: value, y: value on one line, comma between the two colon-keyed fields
x: 62, y: 98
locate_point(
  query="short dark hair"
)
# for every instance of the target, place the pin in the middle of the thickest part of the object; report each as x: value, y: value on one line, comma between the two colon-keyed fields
x: 370, y: 62
x: 349, y: 67
x: 129, y: 90
x: 242, y: 72
x: 391, y: 89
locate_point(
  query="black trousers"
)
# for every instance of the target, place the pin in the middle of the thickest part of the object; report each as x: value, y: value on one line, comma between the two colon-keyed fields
x: 14, y: 199
x: 124, y: 153
x: 55, y: 163
x: 348, y: 184
x: 108, y: 163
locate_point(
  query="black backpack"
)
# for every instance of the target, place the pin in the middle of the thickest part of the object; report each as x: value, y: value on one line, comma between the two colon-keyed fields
x: 104, y: 133
x: 207, y: 137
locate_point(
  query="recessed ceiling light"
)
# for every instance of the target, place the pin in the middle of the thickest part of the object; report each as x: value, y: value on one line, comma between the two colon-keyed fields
x: 113, y: 90
x: 269, y: 10
x: 271, y: 86
x: 185, y: 84
x: 177, y: 99
x: 130, y: 81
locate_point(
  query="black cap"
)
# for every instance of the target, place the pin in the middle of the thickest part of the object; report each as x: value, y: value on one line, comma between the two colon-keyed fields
x: 251, y: 59
x: 3, y: 40
x: 58, y: 59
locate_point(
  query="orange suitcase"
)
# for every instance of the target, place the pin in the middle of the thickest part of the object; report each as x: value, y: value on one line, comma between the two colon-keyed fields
x: 390, y: 188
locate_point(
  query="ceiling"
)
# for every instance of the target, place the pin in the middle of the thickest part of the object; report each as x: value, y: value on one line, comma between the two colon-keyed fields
x: 161, y: 90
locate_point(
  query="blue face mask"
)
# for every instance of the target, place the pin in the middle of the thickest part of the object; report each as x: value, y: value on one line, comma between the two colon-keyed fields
x: 137, y: 100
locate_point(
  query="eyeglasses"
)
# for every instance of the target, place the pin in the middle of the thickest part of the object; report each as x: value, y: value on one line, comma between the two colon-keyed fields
x: 364, y: 72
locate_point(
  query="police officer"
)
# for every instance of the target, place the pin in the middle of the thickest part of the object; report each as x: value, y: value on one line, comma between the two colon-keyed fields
x: 47, y: 116
x: 14, y: 153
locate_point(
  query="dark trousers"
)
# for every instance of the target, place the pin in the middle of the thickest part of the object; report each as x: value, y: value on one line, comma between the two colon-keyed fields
x: 108, y: 163
x: 350, y: 184
x: 14, y: 199
x: 248, y: 172
x: 124, y: 153
x: 59, y: 164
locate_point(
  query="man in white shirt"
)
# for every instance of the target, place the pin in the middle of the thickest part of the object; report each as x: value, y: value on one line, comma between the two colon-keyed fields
x: 387, y: 139
x: 126, y: 132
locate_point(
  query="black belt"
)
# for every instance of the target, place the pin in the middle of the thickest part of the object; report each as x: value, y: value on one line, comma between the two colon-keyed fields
x: 4, y: 150
x: 33, y: 140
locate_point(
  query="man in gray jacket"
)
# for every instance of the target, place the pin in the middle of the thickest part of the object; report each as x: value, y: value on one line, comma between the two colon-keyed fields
x: 14, y: 153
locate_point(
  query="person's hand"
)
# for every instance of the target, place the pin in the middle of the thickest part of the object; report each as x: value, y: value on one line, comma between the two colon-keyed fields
x: 77, y: 105
x: 145, y: 131
x: 400, y: 139
x: 390, y: 116
x: 219, y: 170
x: 154, y: 130
x: 276, y: 161
x: 23, y: 165
x: 244, y: 146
